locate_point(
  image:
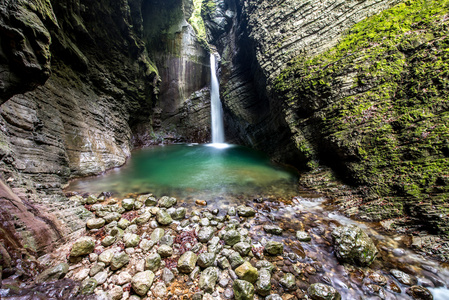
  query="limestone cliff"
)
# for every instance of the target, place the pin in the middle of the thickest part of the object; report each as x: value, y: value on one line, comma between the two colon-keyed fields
x: 301, y: 80
x: 82, y: 89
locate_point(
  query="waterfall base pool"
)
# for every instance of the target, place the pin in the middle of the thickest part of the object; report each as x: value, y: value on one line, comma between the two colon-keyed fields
x: 193, y: 171
x: 228, y: 175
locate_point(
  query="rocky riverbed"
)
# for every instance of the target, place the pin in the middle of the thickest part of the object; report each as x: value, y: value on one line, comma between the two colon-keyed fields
x: 149, y: 248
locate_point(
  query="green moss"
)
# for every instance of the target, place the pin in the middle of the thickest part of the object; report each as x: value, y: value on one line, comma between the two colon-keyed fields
x: 379, y: 101
x: 197, y: 22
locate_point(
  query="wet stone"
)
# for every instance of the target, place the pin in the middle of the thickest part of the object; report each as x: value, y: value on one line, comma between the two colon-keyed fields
x: 263, y: 284
x: 320, y: 291
x: 123, y: 278
x: 98, y: 267
x: 273, y: 297
x: 288, y: 282
x: 142, y: 282
x: 150, y: 201
x: 142, y: 219
x: 245, y: 211
x: 263, y: 264
x: 274, y: 248
x: 131, y: 240
x: 163, y: 217
x: 114, y: 216
x: 242, y: 248
x: 204, y: 222
x: 208, y: 279
x: 91, y: 200
x: 205, y: 234
x: 146, y: 245
x: 119, y: 260
x: 420, y: 293
x: 404, y: 278
x: 165, y: 251
x: 235, y: 260
x: 128, y: 203
x: 223, y: 263
x: 157, y: 234
x: 106, y: 256
x: 206, y: 259
x: 123, y: 223
x: 232, y: 237
x: 272, y: 229
x: 82, y: 246
x: 153, y: 262
x: 179, y: 213
x: 167, y: 202
x: 88, y: 286
x: 167, y: 275
x: 247, y: 272
x: 378, y: 278
x: 243, y: 290
x: 167, y: 240
x: 159, y: 290
x: 354, y: 246
x: 95, y: 223
x: 101, y: 277
x: 303, y: 236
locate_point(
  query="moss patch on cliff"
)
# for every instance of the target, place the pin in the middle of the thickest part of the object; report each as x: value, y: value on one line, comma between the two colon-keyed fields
x: 197, y: 22
x: 378, y: 107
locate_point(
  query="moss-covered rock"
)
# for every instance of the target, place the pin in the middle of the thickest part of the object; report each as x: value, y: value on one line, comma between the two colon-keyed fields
x: 374, y: 107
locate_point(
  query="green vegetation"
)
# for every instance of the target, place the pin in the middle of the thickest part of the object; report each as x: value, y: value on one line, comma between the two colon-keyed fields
x: 197, y: 22
x: 379, y: 103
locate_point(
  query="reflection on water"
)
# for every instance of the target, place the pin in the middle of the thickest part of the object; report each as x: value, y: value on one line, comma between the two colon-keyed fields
x: 193, y: 170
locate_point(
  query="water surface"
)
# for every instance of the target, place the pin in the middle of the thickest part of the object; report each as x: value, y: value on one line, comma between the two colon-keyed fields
x: 196, y: 171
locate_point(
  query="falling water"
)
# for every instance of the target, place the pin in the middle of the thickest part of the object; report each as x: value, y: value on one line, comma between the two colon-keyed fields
x: 216, y: 109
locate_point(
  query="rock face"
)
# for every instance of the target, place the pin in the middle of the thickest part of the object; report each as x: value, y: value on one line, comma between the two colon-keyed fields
x: 100, y: 99
x: 290, y: 88
x: 354, y: 246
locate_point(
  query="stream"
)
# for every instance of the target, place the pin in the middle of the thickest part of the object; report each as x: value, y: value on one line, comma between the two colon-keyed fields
x: 233, y: 175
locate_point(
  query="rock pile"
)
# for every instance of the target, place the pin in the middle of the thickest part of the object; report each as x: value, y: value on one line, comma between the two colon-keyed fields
x: 148, y: 248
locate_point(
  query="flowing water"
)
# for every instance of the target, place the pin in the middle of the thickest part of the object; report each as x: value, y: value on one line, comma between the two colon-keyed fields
x: 216, y: 108
x: 227, y: 175
x: 232, y: 175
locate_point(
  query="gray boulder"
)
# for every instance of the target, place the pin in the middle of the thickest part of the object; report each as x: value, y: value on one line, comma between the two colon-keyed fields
x: 243, y: 290
x: 142, y: 282
x: 187, y: 262
x: 354, y: 246
x: 320, y: 291
x: 208, y: 279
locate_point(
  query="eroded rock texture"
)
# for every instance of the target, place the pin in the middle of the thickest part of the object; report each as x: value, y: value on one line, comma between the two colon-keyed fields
x: 302, y: 81
x: 100, y: 100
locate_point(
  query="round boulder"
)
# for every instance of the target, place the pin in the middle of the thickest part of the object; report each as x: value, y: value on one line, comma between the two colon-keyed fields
x: 354, y: 246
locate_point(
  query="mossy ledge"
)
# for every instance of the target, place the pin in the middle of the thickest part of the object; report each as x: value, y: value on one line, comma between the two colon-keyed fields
x: 375, y: 108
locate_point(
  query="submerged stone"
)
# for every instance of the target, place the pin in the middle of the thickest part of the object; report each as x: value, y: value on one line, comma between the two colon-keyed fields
x: 273, y: 229
x: 320, y: 291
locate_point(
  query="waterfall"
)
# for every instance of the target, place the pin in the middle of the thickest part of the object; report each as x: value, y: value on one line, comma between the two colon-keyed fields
x: 216, y: 109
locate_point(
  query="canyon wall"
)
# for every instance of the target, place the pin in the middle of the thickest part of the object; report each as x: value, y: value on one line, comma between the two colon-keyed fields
x: 80, y: 89
x: 302, y: 81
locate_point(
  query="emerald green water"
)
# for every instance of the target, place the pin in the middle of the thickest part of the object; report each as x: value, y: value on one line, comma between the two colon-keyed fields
x: 197, y: 171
